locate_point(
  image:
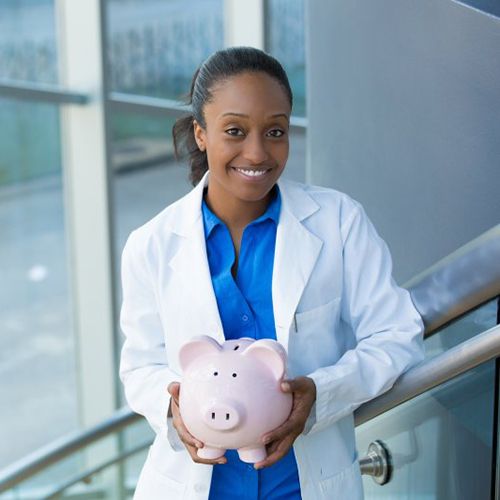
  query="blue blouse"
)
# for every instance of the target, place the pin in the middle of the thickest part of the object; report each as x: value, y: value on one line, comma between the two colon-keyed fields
x: 246, y: 310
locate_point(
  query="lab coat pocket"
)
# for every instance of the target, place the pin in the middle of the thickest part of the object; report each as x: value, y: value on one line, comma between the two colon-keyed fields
x: 154, y: 485
x: 344, y: 485
x: 315, y: 339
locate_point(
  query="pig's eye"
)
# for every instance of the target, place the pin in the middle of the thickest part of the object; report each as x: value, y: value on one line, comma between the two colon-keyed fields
x: 234, y: 375
x: 236, y: 348
x: 216, y: 373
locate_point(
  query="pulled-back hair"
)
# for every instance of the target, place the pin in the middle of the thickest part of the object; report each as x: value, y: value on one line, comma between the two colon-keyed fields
x: 220, y: 66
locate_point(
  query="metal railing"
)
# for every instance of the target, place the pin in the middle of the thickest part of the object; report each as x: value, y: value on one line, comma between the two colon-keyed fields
x: 459, y: 283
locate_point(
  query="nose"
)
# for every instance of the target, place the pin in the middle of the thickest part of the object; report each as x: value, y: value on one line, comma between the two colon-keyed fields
x: 222, y: 416
x: 255, y: 151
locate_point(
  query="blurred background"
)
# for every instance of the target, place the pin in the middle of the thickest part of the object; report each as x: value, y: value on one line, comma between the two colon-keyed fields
x: 396, y: 103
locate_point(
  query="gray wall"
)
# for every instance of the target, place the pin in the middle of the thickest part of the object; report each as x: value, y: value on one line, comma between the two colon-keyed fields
x: 404, y: 115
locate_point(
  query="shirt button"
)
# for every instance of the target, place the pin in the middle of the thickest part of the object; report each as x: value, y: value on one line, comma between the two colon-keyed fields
x: 244, y: 317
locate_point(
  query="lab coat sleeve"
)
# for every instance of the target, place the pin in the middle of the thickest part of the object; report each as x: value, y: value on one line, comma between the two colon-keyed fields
x: 387, y: 327
x: 143, y: 364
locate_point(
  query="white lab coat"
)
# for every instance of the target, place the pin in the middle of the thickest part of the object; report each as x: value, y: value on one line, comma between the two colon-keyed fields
x: 341, y: 317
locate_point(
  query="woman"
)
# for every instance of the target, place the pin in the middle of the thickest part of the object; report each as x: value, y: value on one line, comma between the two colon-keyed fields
x: 246, y: 253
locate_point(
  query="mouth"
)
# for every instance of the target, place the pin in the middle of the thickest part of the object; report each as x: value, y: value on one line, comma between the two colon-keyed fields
x: 252, y: 173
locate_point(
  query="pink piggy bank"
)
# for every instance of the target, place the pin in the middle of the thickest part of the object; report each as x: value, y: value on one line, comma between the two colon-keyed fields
x: 230, y: 394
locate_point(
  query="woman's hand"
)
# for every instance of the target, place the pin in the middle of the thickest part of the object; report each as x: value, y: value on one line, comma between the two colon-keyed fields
x: 281, y: 439
x: 190, y: 442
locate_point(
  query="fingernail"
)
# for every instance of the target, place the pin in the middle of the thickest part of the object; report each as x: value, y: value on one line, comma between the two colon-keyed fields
x: 266, y: 440
x: 285, y: 386
x: 257, y: 467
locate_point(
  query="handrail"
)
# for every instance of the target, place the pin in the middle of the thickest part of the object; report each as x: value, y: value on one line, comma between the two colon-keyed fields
x: 433, y: 372
x: 89, y: 473
x: 41, y: 92
x: 441, y: 294
x: 61, y: 448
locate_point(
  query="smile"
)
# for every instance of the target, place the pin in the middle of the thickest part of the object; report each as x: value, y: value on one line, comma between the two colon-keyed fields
x: 250, y: 172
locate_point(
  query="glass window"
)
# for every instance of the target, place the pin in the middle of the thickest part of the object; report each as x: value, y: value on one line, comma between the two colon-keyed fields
x: 155, y: 45
x: 37, y: 352
x: 28, y: 40
x: 146, y: 179
x: 285, y: 40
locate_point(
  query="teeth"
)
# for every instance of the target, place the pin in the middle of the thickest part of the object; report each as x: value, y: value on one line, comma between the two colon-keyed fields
x: 252, y: 173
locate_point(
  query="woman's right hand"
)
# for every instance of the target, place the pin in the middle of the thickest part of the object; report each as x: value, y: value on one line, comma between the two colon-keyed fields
x: 190, y: 442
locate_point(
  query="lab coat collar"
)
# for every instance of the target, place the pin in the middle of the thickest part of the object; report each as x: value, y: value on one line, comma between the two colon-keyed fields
x: 296, y: 252
x: 293, y: 201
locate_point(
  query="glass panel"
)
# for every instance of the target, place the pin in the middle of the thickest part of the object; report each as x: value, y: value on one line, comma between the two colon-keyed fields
x: 37, y: 358
x: 468, y: 326
x: 440, y: 442
x: 155, y: 45
x: 28, y: 40
x: 285, y: 41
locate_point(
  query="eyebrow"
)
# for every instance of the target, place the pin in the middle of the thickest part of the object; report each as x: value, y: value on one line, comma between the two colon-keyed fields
x: 276, y: 115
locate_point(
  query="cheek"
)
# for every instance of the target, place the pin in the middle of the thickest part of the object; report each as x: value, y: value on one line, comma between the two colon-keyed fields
x: 220, y: 152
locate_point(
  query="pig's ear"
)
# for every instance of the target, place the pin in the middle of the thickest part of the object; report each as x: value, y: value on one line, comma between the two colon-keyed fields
x: 196, y: 347
x: 270, y: 353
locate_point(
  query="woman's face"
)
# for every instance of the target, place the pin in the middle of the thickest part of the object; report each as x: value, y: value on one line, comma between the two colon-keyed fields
x: 246, y: 136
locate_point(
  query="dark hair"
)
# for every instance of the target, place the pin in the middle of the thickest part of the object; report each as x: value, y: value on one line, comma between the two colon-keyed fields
x: 220, y: 66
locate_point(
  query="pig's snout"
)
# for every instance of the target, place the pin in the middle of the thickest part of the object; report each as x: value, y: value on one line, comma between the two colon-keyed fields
x: 223, y: 416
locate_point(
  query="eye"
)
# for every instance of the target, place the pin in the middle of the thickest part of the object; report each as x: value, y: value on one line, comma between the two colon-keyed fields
x: 276, y: 132
x: 234, y: 375
x: 216, y: 373
x: 234, y: 132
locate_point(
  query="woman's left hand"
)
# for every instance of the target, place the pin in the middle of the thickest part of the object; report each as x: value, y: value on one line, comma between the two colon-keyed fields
x: 281, y: 439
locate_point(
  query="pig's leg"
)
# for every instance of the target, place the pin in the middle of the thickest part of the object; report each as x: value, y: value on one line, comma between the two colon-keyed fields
x: 253, y: 454
x: 209, y: 453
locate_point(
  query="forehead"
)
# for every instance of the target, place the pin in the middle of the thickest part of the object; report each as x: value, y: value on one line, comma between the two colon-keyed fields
x: 254, y: 94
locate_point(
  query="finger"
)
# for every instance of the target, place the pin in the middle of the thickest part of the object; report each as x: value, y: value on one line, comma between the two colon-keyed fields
x: 281, y: 450
x: 184, y: 435
x: 194, y: 456
x: 280, y: 432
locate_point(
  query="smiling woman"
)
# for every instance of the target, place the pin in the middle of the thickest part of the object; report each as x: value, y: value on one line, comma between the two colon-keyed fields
x: 249, y: 254
x: 247, y: 148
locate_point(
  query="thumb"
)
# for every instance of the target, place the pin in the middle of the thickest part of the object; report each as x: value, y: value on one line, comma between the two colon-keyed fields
x: 289, y: 385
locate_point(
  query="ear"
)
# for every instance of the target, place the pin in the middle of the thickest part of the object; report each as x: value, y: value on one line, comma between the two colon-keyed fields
x: 195, y: 348
x: 199, y: 136
x: 269, y: 352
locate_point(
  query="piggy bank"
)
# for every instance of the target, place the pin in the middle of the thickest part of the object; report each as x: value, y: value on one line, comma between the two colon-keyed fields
x: 230, y: 394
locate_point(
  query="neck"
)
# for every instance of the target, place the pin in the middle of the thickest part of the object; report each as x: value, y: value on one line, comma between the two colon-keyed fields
x: 234, y: 212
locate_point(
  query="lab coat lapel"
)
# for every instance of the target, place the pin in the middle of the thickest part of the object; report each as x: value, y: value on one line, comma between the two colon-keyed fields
x: 296, y: 252
x: 198, y: 311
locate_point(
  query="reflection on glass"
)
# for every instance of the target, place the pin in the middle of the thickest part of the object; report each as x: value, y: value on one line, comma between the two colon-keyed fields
x: 28, y: 40
x: 155, y: 46
x: 37, y: 358
x: 285, y: 41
